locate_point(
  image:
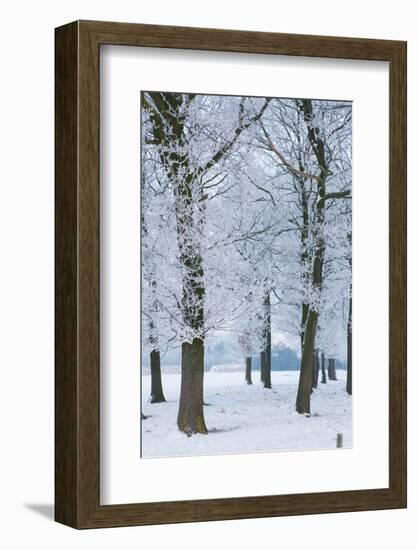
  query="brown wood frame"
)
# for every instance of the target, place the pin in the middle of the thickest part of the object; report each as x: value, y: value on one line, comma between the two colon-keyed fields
x: 77, y: 358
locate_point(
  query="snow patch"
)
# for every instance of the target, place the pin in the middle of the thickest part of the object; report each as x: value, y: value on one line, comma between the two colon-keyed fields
x: 247, y: 419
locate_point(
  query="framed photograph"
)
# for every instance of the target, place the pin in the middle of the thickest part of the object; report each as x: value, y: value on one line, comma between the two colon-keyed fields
x: 230, y: 274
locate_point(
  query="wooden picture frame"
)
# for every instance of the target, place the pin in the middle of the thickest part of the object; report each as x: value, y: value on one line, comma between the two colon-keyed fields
x: 77, y: 373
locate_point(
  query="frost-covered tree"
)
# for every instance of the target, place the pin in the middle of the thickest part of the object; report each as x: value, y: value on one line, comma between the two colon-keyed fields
x: 309, y: 142
x: 192, y: 136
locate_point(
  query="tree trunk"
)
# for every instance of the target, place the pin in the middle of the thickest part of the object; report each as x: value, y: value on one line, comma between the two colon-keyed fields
x: 323, y: 369
x: 305, y: 254
x: 302, y: 405
x: 190, y: 415
x: 349, y: 351
x: 248, y: 370
x: 157, y: 395
x: 263, y: 366
x: 268, y: 346
x: 307, y: 356
x: 332, y: 369
x: 304, y: 314
x: 316, y: 369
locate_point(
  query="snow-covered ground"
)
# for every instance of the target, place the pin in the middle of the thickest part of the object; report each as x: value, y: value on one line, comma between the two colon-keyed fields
x: 243, y: 419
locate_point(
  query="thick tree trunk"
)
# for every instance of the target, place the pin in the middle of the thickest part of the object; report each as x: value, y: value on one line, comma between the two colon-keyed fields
x: 302, y: 405
x: 190, y: 415
x: 248, y: 370
x: 349, y: 351
x: 157, y: 395
x: 332, y: 369
x: 323, y: 369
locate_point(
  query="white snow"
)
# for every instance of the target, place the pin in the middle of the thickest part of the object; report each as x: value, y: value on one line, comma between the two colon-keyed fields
x: 247, y: 419
x: 226, y: 367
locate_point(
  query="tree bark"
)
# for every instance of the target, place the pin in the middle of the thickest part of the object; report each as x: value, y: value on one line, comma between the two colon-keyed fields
x: 316, y: 369
x: 307, y: 357
x: 263, y: 366
x: 349, y: 350
x: 332, y: 369
x: 305, y: 255
x: 268, y: 346
x: 302, y: 405
x: 190, y: 414
x: 304, y: 314
x: 157, y: 395
x: 248, y: 370
x: 323, y: 369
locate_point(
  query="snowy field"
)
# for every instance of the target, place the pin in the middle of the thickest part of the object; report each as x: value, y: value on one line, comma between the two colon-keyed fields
x: 243, y: 419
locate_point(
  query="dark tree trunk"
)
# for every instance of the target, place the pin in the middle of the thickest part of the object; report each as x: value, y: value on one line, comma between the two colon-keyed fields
x: 332, y: 369
x: 323, y: 369
x: 248, y: 370
x: 316, y: 369
x: 267, y: 381
x: 307, y: 356
x: 266, y: 353
x: 263, y: 366
x: 305, y: 254
x: 304, y: 314
x: 157, y: 395
x: 268, y: 346
x: 302, y: 405
x: 190, y: 415
x: 349, y: 351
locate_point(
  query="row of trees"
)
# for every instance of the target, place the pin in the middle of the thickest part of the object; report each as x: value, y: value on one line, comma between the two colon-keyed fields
x: 246, y: 228
x: 319, y: 365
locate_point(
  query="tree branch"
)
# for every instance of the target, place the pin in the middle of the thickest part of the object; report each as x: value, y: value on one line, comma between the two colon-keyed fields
x: 227, y: 146
x: 284, y: 161
x: 335, y: 195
